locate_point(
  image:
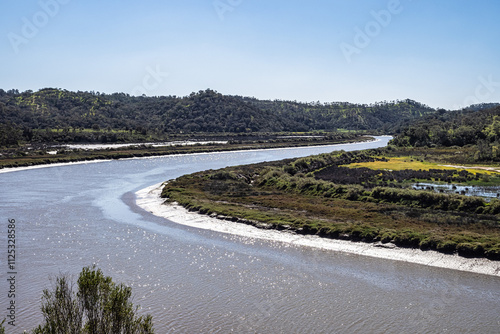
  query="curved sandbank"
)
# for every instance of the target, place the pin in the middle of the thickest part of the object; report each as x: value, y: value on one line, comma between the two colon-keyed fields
x: 149, y: 199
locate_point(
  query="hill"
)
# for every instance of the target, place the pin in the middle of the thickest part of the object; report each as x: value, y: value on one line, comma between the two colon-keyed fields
x: 35, y: 116
x: 382, y: 116
x: 475, y: 130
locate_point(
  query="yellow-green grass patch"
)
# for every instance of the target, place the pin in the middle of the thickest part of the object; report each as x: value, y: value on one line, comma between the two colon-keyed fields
x: 402, y: 163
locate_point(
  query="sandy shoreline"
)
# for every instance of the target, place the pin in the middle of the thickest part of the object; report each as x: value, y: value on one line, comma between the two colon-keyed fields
x: 58, y: 164
x: 149, y: 200
x: 152, y: 144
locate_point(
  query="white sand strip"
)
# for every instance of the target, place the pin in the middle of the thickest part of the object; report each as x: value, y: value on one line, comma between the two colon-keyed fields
x: 149, y: 199
x: 17, y: 169
x: 57, y: 164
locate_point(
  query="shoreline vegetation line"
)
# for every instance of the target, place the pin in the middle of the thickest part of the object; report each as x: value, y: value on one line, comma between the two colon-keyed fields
x: 149, y: 200
x: 42, y: 157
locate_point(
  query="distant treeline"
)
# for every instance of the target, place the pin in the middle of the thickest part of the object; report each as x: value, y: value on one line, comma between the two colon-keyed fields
x: 479, y: 128
x: 33, y: 116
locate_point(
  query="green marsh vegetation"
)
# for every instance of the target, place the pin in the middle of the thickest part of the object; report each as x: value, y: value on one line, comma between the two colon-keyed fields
x: 354, y: 196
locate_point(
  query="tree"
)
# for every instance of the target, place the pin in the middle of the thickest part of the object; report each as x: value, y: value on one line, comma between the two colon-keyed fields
x: 492, y: 130
x: 100, y: 306
x: 10, y: 135
x: 61, y: 311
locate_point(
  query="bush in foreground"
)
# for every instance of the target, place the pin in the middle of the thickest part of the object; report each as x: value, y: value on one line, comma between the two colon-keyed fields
x: 100, y: 306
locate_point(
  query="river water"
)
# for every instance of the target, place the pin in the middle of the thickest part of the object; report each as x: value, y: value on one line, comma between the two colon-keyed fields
x: 200, y: 281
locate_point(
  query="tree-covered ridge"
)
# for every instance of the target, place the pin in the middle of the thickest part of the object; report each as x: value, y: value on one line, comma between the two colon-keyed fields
x: 209, y: 111
x: 383, y: 116
x: 204, y: 111
x: 470, y: 127
x: 53, y: 108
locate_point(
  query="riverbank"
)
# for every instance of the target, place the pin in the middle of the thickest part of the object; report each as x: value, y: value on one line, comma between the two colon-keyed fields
x: 149, y: 199
x: 29, y: 157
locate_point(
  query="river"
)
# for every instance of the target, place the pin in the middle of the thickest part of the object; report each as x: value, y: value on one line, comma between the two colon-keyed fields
x: 201, y: 281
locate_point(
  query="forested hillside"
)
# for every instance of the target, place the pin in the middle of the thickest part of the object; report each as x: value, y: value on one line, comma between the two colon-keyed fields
x: 477, y: 128
x: 28, y: 116
x: 382, y: 116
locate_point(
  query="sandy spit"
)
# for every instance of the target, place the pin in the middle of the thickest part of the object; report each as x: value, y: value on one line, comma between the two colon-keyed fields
x: 17, y: 169
x: 149, y: 199
x: 58, y: 164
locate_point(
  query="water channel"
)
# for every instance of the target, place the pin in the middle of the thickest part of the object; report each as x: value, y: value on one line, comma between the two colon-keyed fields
x: 200, y: 281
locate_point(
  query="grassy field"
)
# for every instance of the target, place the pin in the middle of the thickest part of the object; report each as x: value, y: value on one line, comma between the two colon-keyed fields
x: 402, y: 163
x: 484, y: 175
x: 398, y: 163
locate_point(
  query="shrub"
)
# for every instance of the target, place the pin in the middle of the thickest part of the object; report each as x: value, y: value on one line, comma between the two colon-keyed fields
x: 407, y: 239
x: 104, y: 305
x: 470, y: 250
x: 353, y: 193
x: 428, y: 243
x: 290, y: 169
x: 447, y: 247
x: 471, y: 204
x: 223, y: 176
x: 387, y: 237
x: 494, y: 207
x: 493, y: 253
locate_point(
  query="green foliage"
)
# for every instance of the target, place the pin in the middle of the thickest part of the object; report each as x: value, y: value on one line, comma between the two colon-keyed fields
x: 223, y: 176
x: 62, y: 312
x: 66, y: 116
x: 477, y: 128
x: 100, y: 306
x: 10, y: 135
x: 382, y: 116
x: 288, y: 195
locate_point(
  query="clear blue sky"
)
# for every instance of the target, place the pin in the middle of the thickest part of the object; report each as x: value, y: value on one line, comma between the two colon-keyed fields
x: 444, y: 53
